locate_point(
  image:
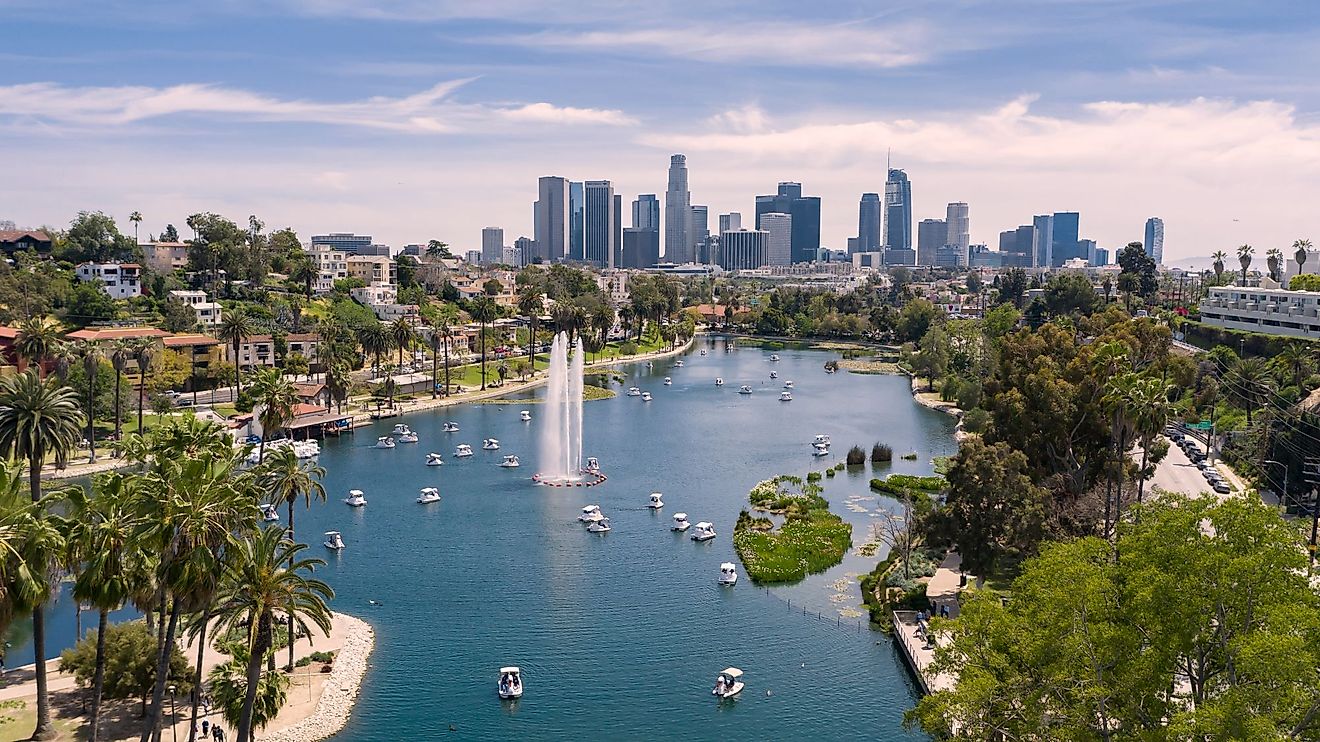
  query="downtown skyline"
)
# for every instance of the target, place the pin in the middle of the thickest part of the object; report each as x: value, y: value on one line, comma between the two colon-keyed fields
x: 143, y: 107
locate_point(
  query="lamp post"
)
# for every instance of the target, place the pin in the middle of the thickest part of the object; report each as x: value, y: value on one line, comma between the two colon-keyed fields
x: 174, y: 718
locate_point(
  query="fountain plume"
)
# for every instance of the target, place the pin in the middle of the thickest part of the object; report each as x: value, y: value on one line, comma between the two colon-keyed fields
x: 561, y: 439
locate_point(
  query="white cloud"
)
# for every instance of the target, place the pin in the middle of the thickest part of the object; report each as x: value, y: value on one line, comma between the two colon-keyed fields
x: 428, y: 112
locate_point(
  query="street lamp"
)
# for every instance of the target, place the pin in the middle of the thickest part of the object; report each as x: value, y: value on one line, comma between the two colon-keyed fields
x: 174, y: 718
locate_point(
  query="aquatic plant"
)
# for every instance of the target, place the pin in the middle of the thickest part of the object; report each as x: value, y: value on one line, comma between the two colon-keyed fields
x: 881, y: 453
x: 856, y: 456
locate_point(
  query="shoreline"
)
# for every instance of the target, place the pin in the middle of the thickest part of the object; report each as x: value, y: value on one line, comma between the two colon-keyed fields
x: 934, y: 403
x: 339, y: 693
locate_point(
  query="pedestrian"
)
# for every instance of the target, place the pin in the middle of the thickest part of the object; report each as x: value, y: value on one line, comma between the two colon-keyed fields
x: 217, y: 733
x: 206, y: 729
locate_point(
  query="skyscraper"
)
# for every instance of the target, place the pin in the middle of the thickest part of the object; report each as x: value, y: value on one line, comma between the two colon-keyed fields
x: 960, y: 228
x: 641, y: 248
x: 779, y: 238
x: 1066, y: 242
x: 742, y: 249
x: 700, y: 228
x: 576, y: 216
x: 678, y: 213
x: 526, y: 247
x: 868, y: 223
x: 805, y: 211
x: 492, y: 245
x: 730, y: 221
x: 550, y: 219
x: 599, y: 223
x: 616, y: 254
x: 1154, y: 242
x: 932, y: 234
x: 1042, y: 241
x: 898, y: 211
x: 1017, y: 247
x: 646, y: 212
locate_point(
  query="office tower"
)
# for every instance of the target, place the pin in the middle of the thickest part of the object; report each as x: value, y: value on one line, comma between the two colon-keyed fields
x: 646, y: 212
x: 805, y: 211
x: 511, y: 256
x: 932, y: 234
x: 708, y: 252
x: 854, y: 245
x: 345, y: 241
x: 641, y: 248
x: 1154, y: 242
x: 576, y: 220
x: 550, y: 219
x: 1065, y: 242
x: 868, y: 224
x: 678, y: 213
x: 779, y: 238
x: 492, y: 245
x: 743, y: 249
x: 956, y: 216
x: 473, y: 257
x: 1101, y: 256
x: 526, y: 247
x: 730, y: 221
x: 1086, y: 251
x: 1042, y: 244
x: 700, y: 228
x: 616, y: 256
x: 898, y: 211
x: 599, y: 223
x: 1017, y: 247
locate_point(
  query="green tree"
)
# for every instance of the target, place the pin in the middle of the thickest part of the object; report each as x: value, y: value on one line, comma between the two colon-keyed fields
x: 374, y: 338
x: 402, y: 335
x: 286, y: 478
x: 38, y: 419
x: 228, y: 684
x: 36, y: 341
x: 1013, y: 287
x: 235, y: 327
x: 179, y: 317
x: 532, y: 307
x: 277, y: 399
x: 88, y: 304
x: 121, y: 353
x: 916, y: 318
x: 484, y: 310
x: 126, y: 660
x: 94, y: 236
x: 144, y: 354
x: 1245, y: 253
x: 90, y: 354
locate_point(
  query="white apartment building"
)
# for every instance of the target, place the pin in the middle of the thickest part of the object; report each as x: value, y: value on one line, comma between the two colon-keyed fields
x: 389, y: 312
x: 331, y: 265
x: 371, y: 269
x: 208, y: 312
x: 119, y: 280
x: 1270, y: 311
x: 376, y: 293
x: 259, y: 350
x: 165, y: 257
x: 613, y: 282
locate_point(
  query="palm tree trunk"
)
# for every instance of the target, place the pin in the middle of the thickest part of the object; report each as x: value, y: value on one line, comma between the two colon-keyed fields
x: 483, y: 356
x: 98, y: 679
x: 531, y: 347
x: 291, y: 613
x: 142, y: 393
x: 162, y: 672
x: 91, y: 418
x: 434, y: 373
x: 238, y: 374
x: 253, y: 678
x: 119, y: 418
x: 446, y: 367
x: 197, y: 673
x: 44, y: 729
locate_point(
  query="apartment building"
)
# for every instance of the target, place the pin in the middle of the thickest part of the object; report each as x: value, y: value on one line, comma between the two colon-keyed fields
x: 119, y: 280
x: 1270, y: 311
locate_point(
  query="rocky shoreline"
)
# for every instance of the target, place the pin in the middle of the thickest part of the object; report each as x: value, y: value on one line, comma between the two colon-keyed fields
x: 340, y: 691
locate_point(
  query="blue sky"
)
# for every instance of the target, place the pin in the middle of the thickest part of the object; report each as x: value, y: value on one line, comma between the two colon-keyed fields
x: 414, y: 120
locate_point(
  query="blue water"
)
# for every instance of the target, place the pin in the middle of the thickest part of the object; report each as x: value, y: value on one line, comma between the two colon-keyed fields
x: 619, y: 635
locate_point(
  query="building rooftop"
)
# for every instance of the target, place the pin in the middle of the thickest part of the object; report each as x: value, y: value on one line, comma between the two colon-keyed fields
x: 189, y: 340
x: 117, y: 333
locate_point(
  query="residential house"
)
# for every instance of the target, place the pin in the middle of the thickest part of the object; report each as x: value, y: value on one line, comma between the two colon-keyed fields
x: 203, y: 352
x: 330, y: 264
x: 165, y: 257
x: 119, y: 280
x: 208, y: 312
x: 372, y: 269
x: 259, y: 350
x: 390, y: 312
x: 376, y: 293
x: 16, y: 240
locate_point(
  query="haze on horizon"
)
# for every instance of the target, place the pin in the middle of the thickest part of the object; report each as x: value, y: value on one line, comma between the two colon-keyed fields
x: 412, y: 120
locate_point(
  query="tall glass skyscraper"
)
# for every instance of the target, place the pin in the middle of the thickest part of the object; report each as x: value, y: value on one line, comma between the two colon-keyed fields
x: 600, y: 223
x: 805, y: 211
x: 1154, y: 242
x: 646, y: 212
x: 960, y: 236
x: 576, y: 214
x: 550, y: 219
x: 678, y: 213
x: 868, y: 223
x: 898, y: 211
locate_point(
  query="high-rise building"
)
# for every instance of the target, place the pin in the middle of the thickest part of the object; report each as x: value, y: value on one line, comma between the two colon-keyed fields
x: 1154, y: 242
x: 960, y: 226
x: 492, y: 245
x: 600, y: 223
x: 641, y: 248
x: 678, y: 213
x: 868, y: 224
x: 1017, y: 247
x: 1065, y: 240
x: 805, y: 211
x: 932, y: 234
x: 1101, y: 256
x: 730, y: 221
x: 898, y: 211
x: 1042, y: 244
x: 550, y: 219
x: 646, y: 212
x: 779, y: 238
x: 526, y: 247
x: 576, y: 220
x: 345, y: 241
x: 512, y: 256
x: 700, y: 228
x: 616, y: 255
x: 743, y: 249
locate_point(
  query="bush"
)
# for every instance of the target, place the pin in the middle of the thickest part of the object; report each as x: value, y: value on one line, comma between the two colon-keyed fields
x: 856, y: 456
x: 130, y: 662
x: 976, y: 421
x: 804, y: 545
x: 628, y: 349
x: 813, y: 476
x: 830, y: 472
x: 969, y: 394
x: 881, y: 452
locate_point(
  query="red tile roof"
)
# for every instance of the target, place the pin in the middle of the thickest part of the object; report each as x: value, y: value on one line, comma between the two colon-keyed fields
x: 14, y: 235
x: 187, y: 341
x: 8, y: 333
x: 307, y: 409
x: 308, y: 390
x: 116, y: 333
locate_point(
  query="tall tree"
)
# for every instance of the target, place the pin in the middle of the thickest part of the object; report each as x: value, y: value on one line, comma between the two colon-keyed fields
x: 236, y: 327
x: 484, y: 310
x: 90, y: 353
x: 994, y: 513
x: 1245, y: 253
x: 1150, y: 411
x: 531, y: 306
x: 136, y: 218
x: 277, y: 398
x: 38, y: 419
x: 144, y: 354
x: 36, y: 341
x: 286, y: 478
x: 121, y: 353
x: 1219, y: 257
x: 375, y: 341
x: 402, y: 335
x: 1300, y: 251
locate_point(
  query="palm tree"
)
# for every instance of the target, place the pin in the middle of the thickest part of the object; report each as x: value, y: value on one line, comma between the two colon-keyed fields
x: 1300, y: 248
x: 287, y: 478
x: 531, y: 306
x: 136, y: 218
x: 91, y: 358
x: 565, y: 319
x: 337, y: 380
x: 277, y: 398
x: 268, y: 577
x: 121, y: 352
x: 402, y: 335
x: 236, y: 327
x: 436, y: 340
x: 144, y: 353
x: 37, y: 338
x: 1220, y: 256
x: 375, y: 341
x: 103, y: 554
x: 1150, y: 412
x: 1252, y: 382
x: 38, y: 418
x: 1245, y: 253
x: 1293, y: 360
x: 484, y: 310
x: 62, y: 356
x: 1274, y: 261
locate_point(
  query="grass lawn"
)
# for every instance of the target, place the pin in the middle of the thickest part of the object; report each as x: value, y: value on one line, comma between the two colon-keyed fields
x: 803, y: 545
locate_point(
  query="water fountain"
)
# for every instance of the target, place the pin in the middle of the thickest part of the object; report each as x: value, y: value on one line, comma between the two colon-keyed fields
x: 561, y: 434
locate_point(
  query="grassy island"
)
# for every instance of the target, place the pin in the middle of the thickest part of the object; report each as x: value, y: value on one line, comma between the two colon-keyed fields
x: 811, y: 538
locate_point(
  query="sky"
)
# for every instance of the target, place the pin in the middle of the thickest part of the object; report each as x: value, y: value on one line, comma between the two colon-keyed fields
x: 413, y: 120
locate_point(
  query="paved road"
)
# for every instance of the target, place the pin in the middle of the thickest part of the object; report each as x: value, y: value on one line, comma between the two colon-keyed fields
x: 1177, y: 473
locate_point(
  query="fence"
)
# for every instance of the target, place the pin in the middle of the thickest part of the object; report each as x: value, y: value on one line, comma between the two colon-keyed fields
x: 802, y: 609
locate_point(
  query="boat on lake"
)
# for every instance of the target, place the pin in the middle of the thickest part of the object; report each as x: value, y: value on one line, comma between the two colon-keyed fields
x: 510, y: 462
x: 719, y: 381
x: 728, y: 574
x: 668, y: 381
x: 384, y: 442
x: 429, y: 495
x: 590, y: 514
x: 355, y: 499
x: 729, y: 683
x: 490, y: 444
x: 705, y: 531
x: 510, y: 685
x: 821, y: 440
x: 634, y: 391
x: 703, y: 351
x: 599, y: 526
x: 406, y: 435
x: 678, y: 363
x: 462, y: 451
x: 774, y: 357
x: 655, y: 503
x: 788, y: 384
x: 820, y: 450
x: 450, y: 427
x: 434, y: 459
x: 774, y: 374
x: 646, y: 396
x: 333, y: 540
x: 785, y: 396
x: 525, y: 415
x: 744, y: 389
x: 593, y: 466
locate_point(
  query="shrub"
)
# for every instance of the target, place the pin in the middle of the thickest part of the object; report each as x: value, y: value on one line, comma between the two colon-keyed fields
x: 322, y: 657
x: 628, y: 349
x: 969, y: 394
x: 856, y: 456
x: 813, y: 476
x: 773, y: 345
x: 976, y: 421
x: 130, y: 662
x: 830, y: 472
x: 881, y: 452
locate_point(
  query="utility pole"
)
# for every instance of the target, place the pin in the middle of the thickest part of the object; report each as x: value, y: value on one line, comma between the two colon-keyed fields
x: 1311, y: 472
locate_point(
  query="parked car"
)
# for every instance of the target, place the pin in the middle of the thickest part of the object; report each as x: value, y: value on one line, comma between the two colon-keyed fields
x: 1221, y: 487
